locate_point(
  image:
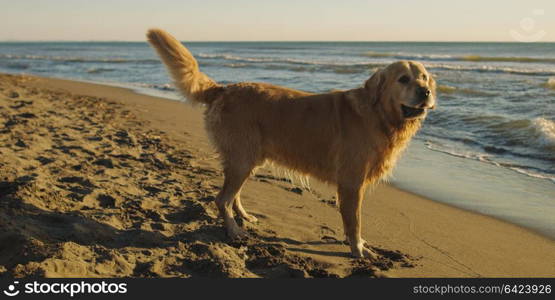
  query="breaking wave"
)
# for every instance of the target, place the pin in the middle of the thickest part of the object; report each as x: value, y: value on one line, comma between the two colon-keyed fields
x: 474, y: 58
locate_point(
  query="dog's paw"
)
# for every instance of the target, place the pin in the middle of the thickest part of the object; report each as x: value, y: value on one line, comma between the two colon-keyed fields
x: 368, y: 253
x: 249, y: 218
x: 363, y: 252
x: 236, y: 233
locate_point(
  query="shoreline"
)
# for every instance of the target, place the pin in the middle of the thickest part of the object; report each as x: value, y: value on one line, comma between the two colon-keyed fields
x: 394, y: 219
x: 477, y: 187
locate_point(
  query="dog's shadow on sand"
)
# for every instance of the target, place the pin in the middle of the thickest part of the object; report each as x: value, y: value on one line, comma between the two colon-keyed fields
x: 294, y: 245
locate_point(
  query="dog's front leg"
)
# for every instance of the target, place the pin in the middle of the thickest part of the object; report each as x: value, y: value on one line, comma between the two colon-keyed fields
x: 350, y: 200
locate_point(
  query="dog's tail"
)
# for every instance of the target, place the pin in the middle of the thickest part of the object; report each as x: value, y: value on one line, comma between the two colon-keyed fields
x: 182, y: 67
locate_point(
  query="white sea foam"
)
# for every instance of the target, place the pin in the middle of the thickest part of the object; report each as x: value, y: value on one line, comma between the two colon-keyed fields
x: 546, y: 132
x: 471, y: 58
x: 490, y: 68
x: 485, y: 158
x: 532, y: 174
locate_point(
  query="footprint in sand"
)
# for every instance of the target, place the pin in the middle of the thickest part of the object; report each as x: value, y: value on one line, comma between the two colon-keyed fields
x: 192, y: 212
x: 328, y: 234
x: 21, y: 103
x: 105, y: 162
x: 45, y: 160
x: 77, y: 179
x: 78, y: 187
x: 106, y: 201
x: 26, y: 116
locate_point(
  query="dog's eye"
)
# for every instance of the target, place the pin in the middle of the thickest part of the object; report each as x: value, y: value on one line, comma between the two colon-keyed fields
x: 404, y: 79
x: 424, y: 77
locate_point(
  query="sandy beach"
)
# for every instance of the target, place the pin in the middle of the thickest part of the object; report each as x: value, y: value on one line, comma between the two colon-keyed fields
x: 99, y: 181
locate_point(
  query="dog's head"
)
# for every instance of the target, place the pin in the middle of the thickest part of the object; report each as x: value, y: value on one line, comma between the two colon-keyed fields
x: 404, y: 89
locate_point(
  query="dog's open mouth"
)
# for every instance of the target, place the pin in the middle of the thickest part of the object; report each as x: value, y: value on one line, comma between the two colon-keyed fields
x: 412, y: 112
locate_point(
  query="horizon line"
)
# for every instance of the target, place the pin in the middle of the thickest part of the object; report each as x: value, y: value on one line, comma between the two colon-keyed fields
x: 272, y: 41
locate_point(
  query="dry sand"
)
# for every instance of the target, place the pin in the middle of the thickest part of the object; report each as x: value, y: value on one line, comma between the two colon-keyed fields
x: 98, y: 181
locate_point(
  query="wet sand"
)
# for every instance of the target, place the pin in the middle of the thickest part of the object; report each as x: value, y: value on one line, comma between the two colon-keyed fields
x: 99, y: 181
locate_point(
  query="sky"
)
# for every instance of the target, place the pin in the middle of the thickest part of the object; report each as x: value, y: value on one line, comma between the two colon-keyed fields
x: 284, y: 20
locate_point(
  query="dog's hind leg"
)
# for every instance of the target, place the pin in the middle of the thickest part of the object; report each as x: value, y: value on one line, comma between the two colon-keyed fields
x: 350, y: 200
x: 235, y: 176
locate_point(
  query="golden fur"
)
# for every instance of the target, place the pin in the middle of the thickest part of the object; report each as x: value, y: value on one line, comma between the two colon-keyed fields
x: 347, y: 138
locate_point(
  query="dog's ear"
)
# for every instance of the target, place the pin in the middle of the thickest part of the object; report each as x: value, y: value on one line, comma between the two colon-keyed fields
x: 374, y: 86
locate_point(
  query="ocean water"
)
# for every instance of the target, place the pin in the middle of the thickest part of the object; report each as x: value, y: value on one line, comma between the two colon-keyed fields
x: 488, y: 147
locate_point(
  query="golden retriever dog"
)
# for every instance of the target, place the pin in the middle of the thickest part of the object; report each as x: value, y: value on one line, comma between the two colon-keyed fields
x: 350, y: 139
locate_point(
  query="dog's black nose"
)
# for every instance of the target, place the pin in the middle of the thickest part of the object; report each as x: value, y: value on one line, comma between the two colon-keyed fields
x: 423, y: 92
